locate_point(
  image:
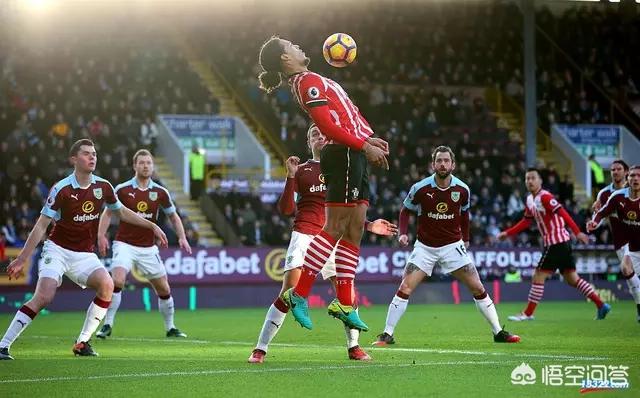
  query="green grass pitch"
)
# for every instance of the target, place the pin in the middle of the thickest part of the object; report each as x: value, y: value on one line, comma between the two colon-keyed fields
x: 441, y: 351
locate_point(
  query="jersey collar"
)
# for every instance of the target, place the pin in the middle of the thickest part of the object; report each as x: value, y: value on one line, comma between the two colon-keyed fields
x: 134, y: 183
x: 74, y: 181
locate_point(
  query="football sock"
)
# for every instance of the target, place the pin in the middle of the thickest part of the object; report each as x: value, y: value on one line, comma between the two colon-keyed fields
x: 167, y: 309
x: 116, y: 298
x: 272, y: 322
x: 633, y: 283
x: 352, y: 336
x: 347, y: 258
x: 397, y: 308
x: 587, y: 290
x: 488, y: 310
x: 315, y: 258
x: 535, y: 295
x: 20, y: 321
x: 95, y: 313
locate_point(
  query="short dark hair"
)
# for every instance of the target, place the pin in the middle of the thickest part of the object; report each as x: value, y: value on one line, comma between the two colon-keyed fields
x: 622, y: 163
x: 537, y: 170
x: 635, y: 167
x: 141, y: 152
x: 269, y: 60
x: 440, y: 149
x: 75, y: 148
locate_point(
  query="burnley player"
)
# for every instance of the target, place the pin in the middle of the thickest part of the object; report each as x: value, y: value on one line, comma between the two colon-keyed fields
x: 619, y: 172
x: 551, y: 219
x: 307, y: 183
x: 134, y: 245
x: 625, y: 203
x: 343, y: 162
x: 74, y: 203
x: 441, y: 203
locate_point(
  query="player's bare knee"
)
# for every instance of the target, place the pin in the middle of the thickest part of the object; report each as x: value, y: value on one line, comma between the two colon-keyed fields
x: 406, y: 287
x: 104, y: 288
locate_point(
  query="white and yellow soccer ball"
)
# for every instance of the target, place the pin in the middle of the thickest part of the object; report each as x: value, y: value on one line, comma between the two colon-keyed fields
x: 339, y: 50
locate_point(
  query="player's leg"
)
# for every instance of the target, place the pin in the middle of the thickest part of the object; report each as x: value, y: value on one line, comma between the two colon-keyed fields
x: 631, y: 276
x: 468, y: 275
x: 536, y: 291
x: 347, y: 258
x: 98, y: 279
x: 42, y: 297
x: 412, y: 277
x: 573, y: 279
x: 166, y: 305
x: 121, y: 265
x: 274, y: 319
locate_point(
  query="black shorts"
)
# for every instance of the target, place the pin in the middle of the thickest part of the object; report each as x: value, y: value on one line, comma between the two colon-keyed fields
x: 558, y: 256
x: 345, y: 175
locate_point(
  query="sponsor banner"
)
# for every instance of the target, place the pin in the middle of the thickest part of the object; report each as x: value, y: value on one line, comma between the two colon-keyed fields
x: 269, y: 190
x: 600, y: 140
x: 216, y: 135
x: 377, y: 264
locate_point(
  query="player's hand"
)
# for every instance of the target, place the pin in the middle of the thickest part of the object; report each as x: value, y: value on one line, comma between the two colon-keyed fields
x: 380, y: 143
x: 591, y: 225
x: 404, y: 240
x: 103, y: 245
x: 157, y: 231
x: 466, y: 244
x: 583, y: 238
x: 292, y: 166
x: 14, y: 270
x: 502, y: 236
x: 184, y: 245
x: 376, y: 156
x: 382, y: 227
x: 596, y: 206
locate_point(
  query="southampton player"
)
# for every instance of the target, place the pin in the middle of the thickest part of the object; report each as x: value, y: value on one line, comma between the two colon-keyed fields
x: 551, y: 219
x: 619, y: 171
x: 134, y: 245
x: 305, y: 181
x: 74, y: 203
x: 625, y: 203
x: 441, y: 203
x: 343, y: 163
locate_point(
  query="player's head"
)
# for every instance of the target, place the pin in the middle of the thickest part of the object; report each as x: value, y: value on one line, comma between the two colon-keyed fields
x: 83, y: 155
x: 443, y: 161
x: 619, y: 171
x: 634, y: 177
x: 315, y: 139
x: 278, y: 56
x: 143, y: 163
x: 533, y: 180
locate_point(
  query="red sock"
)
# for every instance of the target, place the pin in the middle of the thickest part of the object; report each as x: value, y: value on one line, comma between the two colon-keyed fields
x: 586, y: 289
x: 347, y: 258
x: 315, y: 258
x: 535, y: 295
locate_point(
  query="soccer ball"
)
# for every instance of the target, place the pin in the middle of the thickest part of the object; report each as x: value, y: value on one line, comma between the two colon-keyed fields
x: 339, y: 50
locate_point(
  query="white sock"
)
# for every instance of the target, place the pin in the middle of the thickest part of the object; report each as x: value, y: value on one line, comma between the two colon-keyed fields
x: 17, y: 325
x: 633, y: 284
x: 272, y: 323
x: 488, y: 311
x: 396, y: 309
x: 95, y: 314
x: 352, y: 336
x: 116, y: 298
x: 167, y: 310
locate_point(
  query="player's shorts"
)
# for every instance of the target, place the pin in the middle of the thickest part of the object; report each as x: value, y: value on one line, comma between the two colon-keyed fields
x: 345, y: 175
x: 146, y: 259
x: 557, y: 257
x: 56, y: 261
x: 635, y: 261
x: 622, y: 251
x: 449, y: 257
x: 296, y: 251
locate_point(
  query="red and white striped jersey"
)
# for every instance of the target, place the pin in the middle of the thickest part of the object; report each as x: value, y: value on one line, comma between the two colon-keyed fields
x: 544, y: 208
x: 310, y: 89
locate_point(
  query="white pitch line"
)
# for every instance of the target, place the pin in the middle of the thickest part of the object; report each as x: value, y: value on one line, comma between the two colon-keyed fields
x: 434, y: 350
x: 231, y: 371
x: 136, y: 339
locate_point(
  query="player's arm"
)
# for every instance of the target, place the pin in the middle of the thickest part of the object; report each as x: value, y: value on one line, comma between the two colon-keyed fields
x: 179, y: 228
x: 552, y: 205
x: 35, y: 236
x: 103, y: 226
x: 604, y: 212
x: 286, y: 202
x: 464, y: 227
x: 403, y: 225
x: 381, y: 227
x: 130, y: 217
x: 520, y: 226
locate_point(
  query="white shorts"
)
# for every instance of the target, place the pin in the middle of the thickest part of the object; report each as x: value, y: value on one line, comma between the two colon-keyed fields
x: 146, y: 259
x: 296, y: 251
x: 449, y: 257
x: 635, y: 261
x: 622, y: 251
x: 56, y: 261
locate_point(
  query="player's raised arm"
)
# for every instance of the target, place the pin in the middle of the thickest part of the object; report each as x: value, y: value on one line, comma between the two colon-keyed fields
x: 35, y: 236
x: 521, y: 226
x: 604, y: 212
x: 286, y: 202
